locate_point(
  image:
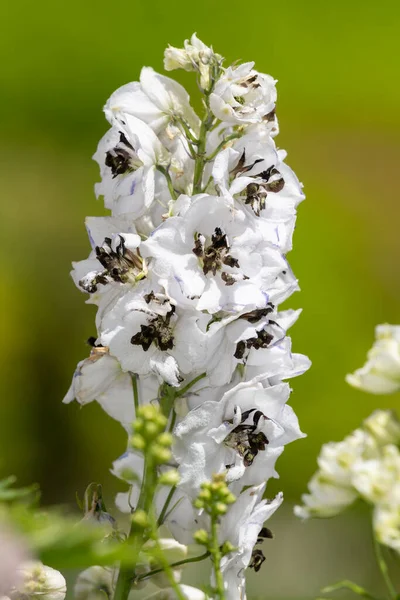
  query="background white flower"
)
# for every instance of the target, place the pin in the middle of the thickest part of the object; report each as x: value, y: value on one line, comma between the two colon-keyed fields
x: 381, y: 372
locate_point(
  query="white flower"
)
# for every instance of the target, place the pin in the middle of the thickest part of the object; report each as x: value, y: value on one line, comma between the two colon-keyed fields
x: 100, y: 378
x: 216, y: 257
x: 338, y: 459
x: 384, y: 427
x: 386, y: 523
x: 147, y: 334
x: 128, y: 156
x: 114, y: 264
x: 94, y: 583
x: 188, y: 592
x: 327, y: 498
x: 331, y: 488
x: 253, y: 172
x: 268, y: 365
x: 39, y: 581
x: 242, y: 95
x: 247, y: 340
x: 243, y: 435
x: 378, y: 480
x: 195, y: 56
x: 381, y: 372
x: 173, y: 552
x: 157, y: 100
x: 242, y: 526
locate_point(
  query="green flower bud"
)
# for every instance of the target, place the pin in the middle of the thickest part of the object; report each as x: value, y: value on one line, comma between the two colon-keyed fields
x: 165, y: 439
x: 160, y: 455
x: 226, y: 548
x: 169, y: 478
x: 150, y: 430
x: 138, y: 442
x: 201, y: 537
x: 139, y: 520
x: 220, y: 508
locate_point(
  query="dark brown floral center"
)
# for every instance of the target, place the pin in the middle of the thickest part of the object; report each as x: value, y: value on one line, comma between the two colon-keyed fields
x: 120, y: 265
x: 245, y: 439
x: 158, y: 331
x: 261, y: 340
x: 215, y: 254
x: 122, y: 158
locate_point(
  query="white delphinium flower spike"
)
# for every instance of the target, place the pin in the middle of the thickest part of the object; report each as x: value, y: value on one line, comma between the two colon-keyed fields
x: 381, y: 372
x: 188, y: 274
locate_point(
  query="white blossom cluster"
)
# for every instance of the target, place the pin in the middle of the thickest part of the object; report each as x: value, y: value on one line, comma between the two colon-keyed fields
x: 365, y: 465
x: 187, y: 273
x: 381, y: 372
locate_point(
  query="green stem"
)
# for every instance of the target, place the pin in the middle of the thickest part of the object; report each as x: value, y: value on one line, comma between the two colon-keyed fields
x: 383, y: 568
x: 233, y: 136
x: 126, y: 575
x: 216, y: 555
x: 200, y: 159
x: 179, y: 563
x: 187, y: 387
x: 188, y: 133
x: 135, y: 392
x: 167, y: 176
x: 165, y: 507
x: 166, y: 568
x: 348, y: 585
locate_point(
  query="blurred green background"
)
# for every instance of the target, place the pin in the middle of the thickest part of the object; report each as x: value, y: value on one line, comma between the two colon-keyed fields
x: 339, y: 93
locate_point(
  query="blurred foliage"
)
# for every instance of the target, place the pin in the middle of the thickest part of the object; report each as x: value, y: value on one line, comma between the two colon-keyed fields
x: 338, y: 107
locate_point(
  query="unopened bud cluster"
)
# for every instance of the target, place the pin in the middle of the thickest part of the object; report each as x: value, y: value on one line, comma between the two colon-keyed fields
x: 150, y: 436
x: 215, y: 496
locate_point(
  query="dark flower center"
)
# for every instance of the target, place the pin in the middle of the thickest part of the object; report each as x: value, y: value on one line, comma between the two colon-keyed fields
x: 215, y: 254
x: 120, y: 159
x: 158, y: 331
x: 120, y: 265
x: 245, y: 439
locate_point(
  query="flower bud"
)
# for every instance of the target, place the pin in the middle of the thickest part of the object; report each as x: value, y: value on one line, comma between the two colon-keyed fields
x: 201, y: 537
x: 220, y: 508
x: 170, y: 477
x: 138, y: 442
x: 227, y: 547
x: 94, y: 584
x: 165, y: 439
x: 139, y: 520
x: 160, y: 455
